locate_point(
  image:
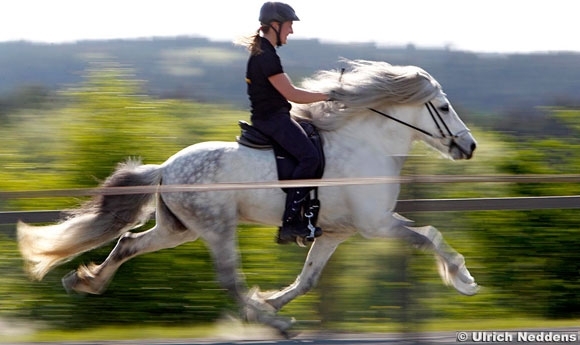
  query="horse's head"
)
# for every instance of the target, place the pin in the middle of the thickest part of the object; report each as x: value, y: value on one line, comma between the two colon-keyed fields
x: 393, y: 90
x: 444, y: 130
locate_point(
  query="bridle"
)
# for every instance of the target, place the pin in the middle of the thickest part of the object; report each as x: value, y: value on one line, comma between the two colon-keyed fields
x: 439, y: 122
x: 437, y: 119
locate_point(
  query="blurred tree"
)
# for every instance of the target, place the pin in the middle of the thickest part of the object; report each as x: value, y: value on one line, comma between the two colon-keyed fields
x: 110, y: 119
x: 25, y: 97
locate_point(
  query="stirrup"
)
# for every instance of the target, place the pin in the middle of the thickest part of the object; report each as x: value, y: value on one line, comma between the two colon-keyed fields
x: 298, y: 233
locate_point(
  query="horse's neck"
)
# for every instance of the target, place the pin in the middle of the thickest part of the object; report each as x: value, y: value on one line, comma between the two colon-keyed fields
x: 372, y: 133
x: 378, y: 133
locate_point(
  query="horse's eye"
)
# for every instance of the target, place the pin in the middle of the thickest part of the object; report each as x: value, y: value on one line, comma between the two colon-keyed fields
x: 444, y: 108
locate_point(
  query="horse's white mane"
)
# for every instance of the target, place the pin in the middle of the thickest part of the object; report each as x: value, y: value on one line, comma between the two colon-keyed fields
x: 364, y: 84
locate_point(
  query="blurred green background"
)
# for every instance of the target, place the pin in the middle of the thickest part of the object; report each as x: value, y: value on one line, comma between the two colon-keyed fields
x: 526, y: 261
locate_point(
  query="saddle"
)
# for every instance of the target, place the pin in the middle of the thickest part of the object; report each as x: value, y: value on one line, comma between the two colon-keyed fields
x: 252, y: 137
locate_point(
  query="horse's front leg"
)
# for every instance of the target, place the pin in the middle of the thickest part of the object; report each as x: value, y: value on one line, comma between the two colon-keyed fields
x: 321, y: 250
x: 452, y: 267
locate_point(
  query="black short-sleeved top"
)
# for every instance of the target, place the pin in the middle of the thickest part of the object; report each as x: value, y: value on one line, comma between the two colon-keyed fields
x: 264, y: 97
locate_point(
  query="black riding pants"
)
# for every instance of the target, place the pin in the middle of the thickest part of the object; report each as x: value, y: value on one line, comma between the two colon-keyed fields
x: 291, y: 137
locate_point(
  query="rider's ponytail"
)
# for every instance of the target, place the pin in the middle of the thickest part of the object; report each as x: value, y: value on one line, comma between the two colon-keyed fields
x: 253, y: 42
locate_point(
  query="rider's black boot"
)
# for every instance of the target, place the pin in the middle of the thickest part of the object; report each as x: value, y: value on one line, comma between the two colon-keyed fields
x: 294, y: 225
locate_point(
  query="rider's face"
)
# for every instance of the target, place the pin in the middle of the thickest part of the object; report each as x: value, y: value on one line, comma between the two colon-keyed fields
x: 285, y: 30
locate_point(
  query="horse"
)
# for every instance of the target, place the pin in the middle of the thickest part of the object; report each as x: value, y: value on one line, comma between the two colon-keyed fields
x: 377, y: 113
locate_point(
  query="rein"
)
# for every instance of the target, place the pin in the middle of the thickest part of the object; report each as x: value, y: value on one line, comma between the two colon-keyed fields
x: 432, y: 111
x: 434, y: 115
x: 403, y: 122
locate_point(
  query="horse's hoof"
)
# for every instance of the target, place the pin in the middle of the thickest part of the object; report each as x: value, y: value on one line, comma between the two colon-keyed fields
x: 467, y: 289
x: 72, y: 283
x: 258, y: 300
x: 289, y: 334
x: 283, y: 325
x: 69, y: 281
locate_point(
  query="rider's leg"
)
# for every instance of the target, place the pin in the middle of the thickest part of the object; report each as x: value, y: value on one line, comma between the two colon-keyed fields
x: 291, y: 137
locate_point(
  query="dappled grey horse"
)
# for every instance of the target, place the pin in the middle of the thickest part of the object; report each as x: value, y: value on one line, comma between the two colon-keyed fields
x: 379, y: 111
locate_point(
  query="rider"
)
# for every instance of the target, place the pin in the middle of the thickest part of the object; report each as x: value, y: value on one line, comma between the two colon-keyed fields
x: 270, y: 90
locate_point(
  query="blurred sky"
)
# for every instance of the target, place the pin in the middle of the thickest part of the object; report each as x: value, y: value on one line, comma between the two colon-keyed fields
x: 473, y: 25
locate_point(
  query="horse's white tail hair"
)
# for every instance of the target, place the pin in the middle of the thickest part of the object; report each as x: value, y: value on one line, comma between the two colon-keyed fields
x: 94, y: 224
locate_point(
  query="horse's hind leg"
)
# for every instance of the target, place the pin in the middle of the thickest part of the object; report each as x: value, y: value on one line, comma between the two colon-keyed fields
x: 222, y: 243
x: 167, y: 233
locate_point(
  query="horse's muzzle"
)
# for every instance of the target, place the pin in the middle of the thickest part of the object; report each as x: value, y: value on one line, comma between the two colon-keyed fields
x: 463, y: 146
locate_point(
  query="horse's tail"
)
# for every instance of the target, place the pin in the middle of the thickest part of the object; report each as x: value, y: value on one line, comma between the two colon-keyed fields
x: 94, y: 224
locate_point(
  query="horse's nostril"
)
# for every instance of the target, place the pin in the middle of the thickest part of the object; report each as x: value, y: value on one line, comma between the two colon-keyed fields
x: 473, y: 147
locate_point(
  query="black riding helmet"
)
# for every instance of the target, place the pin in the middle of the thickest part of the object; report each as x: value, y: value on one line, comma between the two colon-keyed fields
x: 276, y: 12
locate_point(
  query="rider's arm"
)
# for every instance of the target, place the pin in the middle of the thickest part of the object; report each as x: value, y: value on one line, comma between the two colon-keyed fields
x: 284, y: 85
